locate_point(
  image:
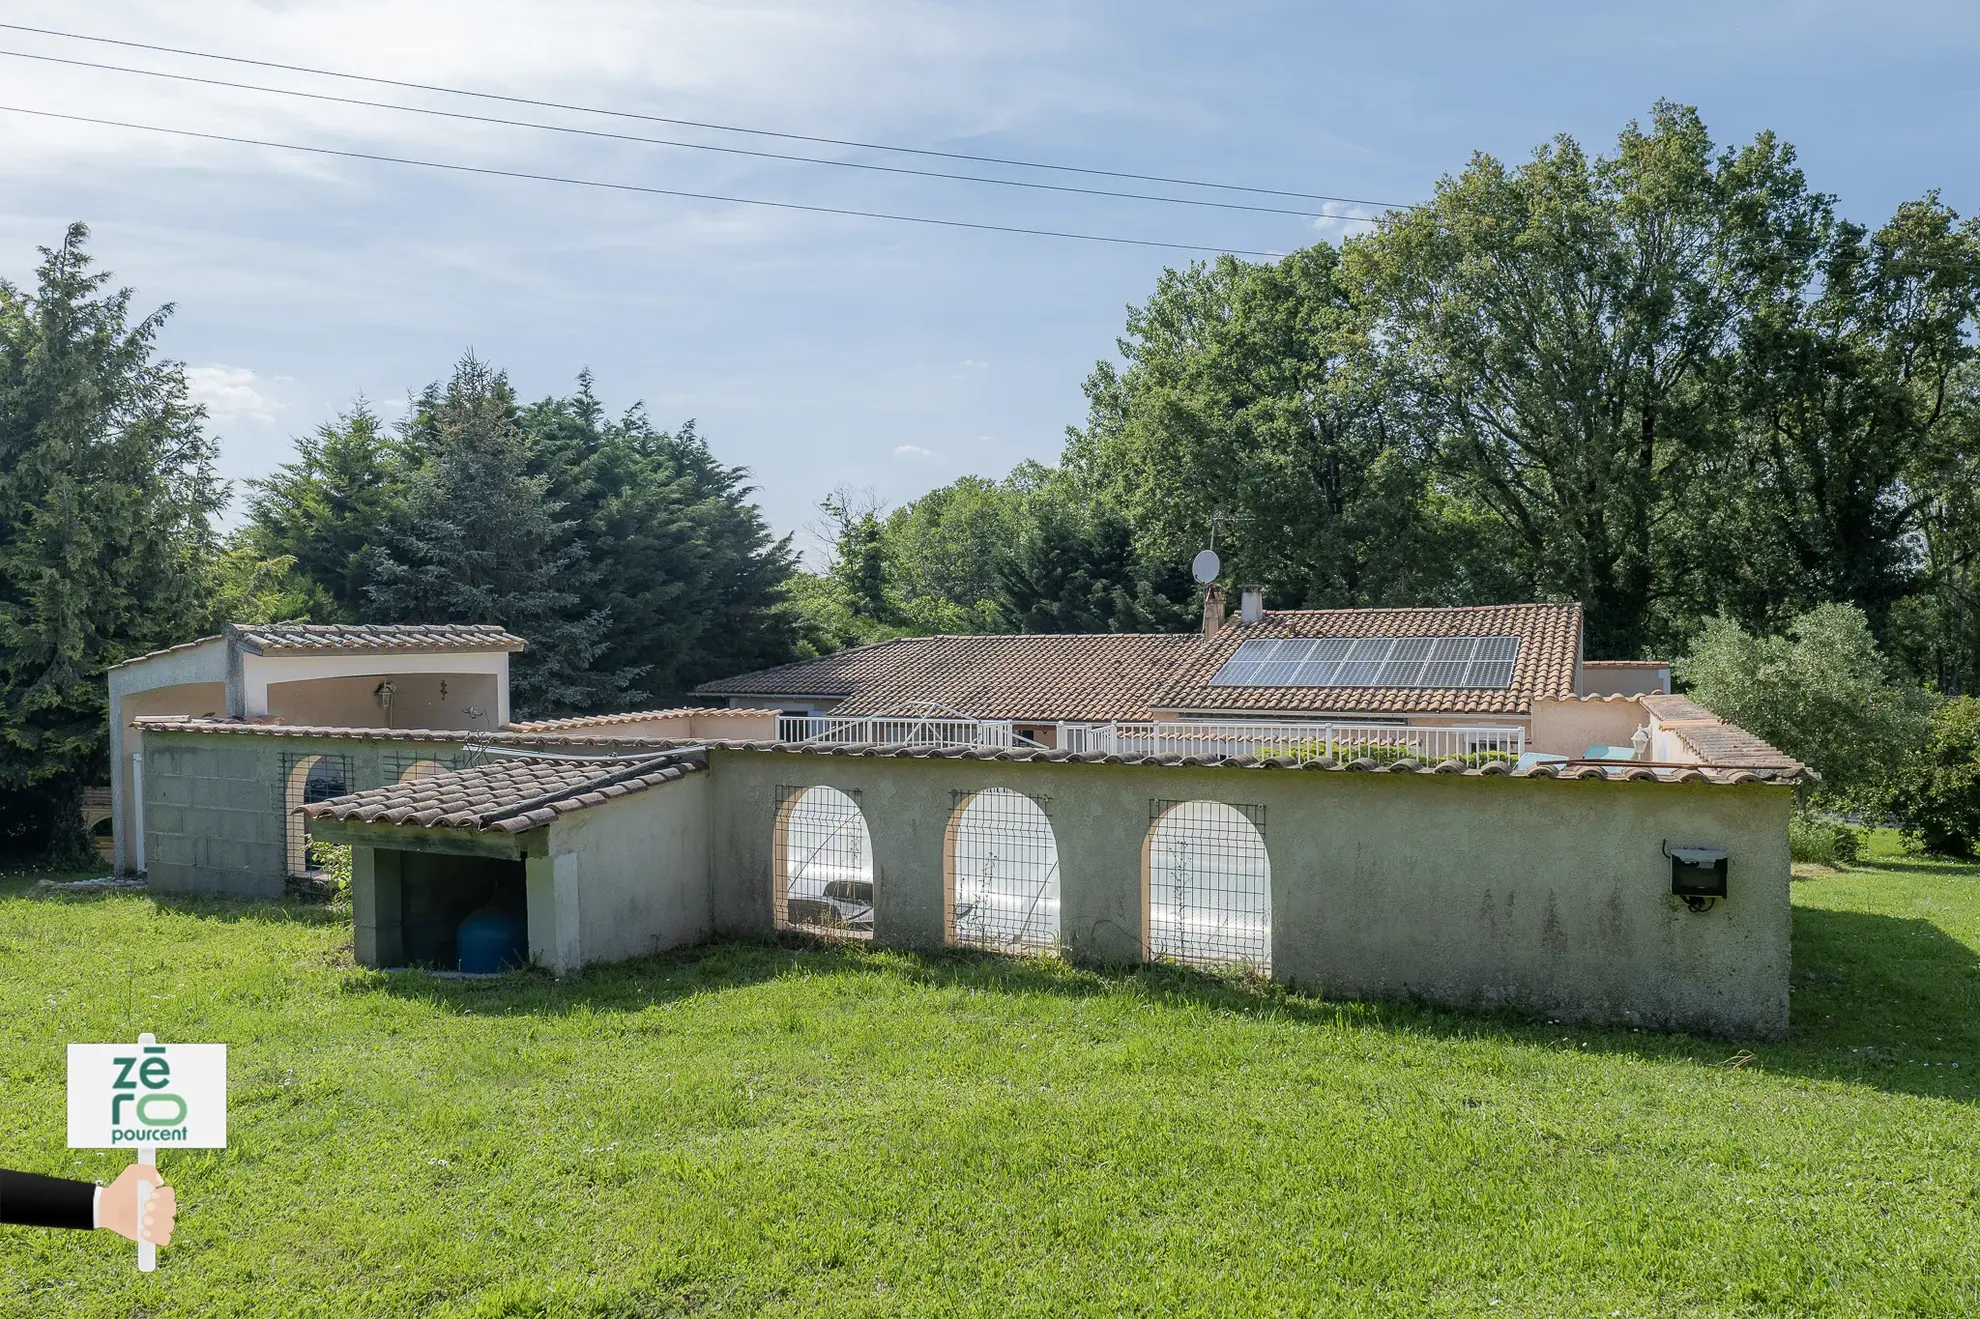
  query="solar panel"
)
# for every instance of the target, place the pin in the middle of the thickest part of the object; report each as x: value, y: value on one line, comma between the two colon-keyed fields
x: 1409, y: 662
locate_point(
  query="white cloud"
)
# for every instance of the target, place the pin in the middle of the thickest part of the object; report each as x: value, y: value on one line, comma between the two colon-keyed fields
x: 229, y: 393
x: 912, y: 451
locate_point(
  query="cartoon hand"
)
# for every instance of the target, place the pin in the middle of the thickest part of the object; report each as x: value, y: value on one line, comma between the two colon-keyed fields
x: 118, y: 1208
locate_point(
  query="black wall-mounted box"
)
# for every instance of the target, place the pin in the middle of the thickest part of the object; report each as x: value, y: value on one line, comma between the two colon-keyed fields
x: 1697, y: 872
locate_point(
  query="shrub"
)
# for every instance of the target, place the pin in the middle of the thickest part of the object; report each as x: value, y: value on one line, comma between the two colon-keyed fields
x: 334, y: 860
x: 1823, y: 840
x: 1937, y: 793
x: 1823, y: 693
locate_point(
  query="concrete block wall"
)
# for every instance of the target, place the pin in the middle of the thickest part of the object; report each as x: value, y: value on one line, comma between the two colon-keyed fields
x: 215, y: 804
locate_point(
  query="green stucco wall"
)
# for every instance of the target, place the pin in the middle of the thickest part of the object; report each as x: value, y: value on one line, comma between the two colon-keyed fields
x: 1545, y: 895
x: 1537, y: 894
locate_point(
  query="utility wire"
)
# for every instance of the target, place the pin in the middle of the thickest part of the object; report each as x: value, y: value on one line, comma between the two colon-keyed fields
x: 699, y: 123
x: 637, y: 187
x: 692, y: 146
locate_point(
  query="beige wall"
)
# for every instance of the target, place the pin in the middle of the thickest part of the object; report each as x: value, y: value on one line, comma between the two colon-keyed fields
x: 1569, y: 728
x: 623, y: 879
x: 714, y: 723
x: 192, y: 698
x: 1544, y: 895
x: 1612, y: 679
x: 351, y: 702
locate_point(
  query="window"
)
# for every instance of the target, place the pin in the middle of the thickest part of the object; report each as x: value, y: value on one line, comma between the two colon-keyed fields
x: 1421, y: 662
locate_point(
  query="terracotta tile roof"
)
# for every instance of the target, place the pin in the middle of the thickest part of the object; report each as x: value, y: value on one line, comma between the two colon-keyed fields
x: 506, y: 796
x: 1093, y: 676
x: 1713, y: 740
x: 172, y: 723
x: 168, y: 650
x: 1550, y: 648
x: 265, y: 638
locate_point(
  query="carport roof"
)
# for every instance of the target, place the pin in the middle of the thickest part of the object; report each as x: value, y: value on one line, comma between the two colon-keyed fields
x: 508, y: 796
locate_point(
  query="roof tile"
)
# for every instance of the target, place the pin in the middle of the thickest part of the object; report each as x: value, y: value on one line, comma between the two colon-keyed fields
x: 279, y: 638
x: 509, y: 795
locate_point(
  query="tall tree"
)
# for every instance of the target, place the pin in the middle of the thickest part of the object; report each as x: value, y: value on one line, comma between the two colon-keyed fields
x: 680, y: 561
x: 1250, y: 390
x: 1564, y: 331
x: 1845, y: 392
x: 328, y: 511
x: 478, y: 540
x: 1076, y: 569
x: 106, y: 488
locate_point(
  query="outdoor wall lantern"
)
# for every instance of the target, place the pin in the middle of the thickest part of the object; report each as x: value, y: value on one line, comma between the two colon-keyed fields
x: 1698, y: 874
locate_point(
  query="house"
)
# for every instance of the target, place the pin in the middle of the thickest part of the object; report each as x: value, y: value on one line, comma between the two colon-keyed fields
x: 1452, y: 806
x: 1501, y: 676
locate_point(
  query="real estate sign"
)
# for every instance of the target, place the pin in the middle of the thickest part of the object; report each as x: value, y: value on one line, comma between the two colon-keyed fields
x: 167, y: 1096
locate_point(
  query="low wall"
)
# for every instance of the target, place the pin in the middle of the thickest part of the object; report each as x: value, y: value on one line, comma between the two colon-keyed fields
x: 215, y: 818
x: 1546, y: 895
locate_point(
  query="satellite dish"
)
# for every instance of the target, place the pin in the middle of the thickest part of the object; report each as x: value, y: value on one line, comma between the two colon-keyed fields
x: 1206, y: 565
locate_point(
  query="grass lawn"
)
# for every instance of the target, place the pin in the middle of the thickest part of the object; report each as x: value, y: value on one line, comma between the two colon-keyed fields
x: 803, y: 1130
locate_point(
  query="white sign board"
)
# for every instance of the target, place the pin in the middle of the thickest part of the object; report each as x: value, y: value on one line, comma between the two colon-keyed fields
x: 163, y: 1096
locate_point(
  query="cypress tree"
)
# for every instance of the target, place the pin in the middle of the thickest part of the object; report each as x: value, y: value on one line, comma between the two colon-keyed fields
x: 480, y: 539
x: 106, y: 488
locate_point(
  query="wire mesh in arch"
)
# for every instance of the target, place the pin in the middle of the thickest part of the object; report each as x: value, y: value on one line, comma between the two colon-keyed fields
x: 1003, y: 872
x: 822, y: 860
x: 1209, y: 885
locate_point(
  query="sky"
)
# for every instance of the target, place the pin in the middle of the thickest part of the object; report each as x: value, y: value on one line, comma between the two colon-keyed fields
x: 826, y: 350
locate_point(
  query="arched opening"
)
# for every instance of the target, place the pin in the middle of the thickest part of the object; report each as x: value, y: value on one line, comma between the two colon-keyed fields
x: 822, y: 864
x: 310, y: 779
x: 1001, y: 869
x: 1207, y: 886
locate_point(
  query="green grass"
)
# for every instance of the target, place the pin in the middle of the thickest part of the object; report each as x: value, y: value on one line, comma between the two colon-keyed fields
x: 801, y: 1130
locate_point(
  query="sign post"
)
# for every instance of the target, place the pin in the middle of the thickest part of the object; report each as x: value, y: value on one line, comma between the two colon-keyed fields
x: 146, y: 1095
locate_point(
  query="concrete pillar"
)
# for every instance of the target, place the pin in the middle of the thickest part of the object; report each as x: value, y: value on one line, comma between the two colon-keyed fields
x: 907, y: 815
x: 1100, y: 837
x: 377, y: 904
x: 555, y: 939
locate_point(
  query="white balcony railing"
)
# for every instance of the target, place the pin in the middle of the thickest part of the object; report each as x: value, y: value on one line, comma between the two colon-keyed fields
x: 1341, y: 741
x: 915, y: 730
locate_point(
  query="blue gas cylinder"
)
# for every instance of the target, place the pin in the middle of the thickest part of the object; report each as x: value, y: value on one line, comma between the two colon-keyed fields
x: 491, y: 940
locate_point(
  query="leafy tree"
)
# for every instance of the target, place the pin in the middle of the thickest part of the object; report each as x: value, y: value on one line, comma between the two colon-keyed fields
x: 328, y: 510
x: 1563, y: 331
x: 244, y: 587
x: 853, y: 601
x: 943, y: 550
x: 1845, y: 393
x: 478, y: 540
x: 1937, y: 795
x: 1077, y: 570
x: 1823, y: 693
x: 106, y: 488
x: 1252, y: 390
x: 680, y: 562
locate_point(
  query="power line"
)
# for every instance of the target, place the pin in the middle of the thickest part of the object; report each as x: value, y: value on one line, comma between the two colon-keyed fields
x: 692, y: 146
x: 699, y: 123
x: 638, y: 187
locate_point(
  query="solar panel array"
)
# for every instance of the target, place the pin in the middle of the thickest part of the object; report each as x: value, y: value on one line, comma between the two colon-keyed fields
x: 1432, y: 662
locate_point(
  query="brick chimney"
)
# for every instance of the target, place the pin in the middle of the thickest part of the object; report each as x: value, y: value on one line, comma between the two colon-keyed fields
x: 1251, y: 603
x: 1213, y: 609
